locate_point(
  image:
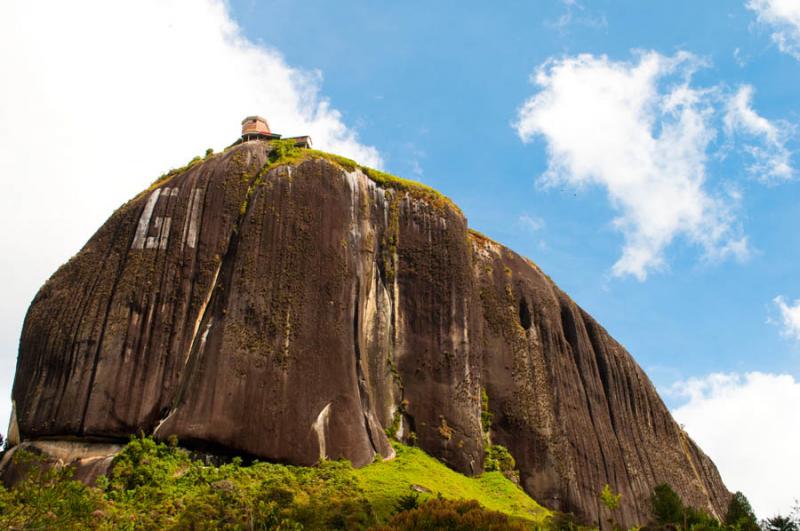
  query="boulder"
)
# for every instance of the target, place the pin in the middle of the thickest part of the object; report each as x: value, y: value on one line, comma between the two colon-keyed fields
x: 311, y: 309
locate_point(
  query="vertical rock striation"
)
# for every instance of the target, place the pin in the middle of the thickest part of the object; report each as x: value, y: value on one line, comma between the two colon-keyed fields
x: 298, y: 312
x: 572, y: 405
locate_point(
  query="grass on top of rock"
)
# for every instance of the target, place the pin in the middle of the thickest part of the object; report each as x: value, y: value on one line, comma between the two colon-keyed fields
x: 285, y: 152
x: 155, y: 485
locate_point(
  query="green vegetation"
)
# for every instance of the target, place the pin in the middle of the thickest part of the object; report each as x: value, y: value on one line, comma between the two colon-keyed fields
x: 481, y: 237
x: 386, y: 482
x: 486, y: 415
x: 450, y: 514
x: 285, y: 152
x: 164, y: 177
x: 48, y: 499
x: 158, y: 486
x: 611, y: 502
x: 666, y: 505
x: 397, y: 417
x: 669, y: 512
x: 498, y: 458
x: 780, y: 523
x: 740, y: 515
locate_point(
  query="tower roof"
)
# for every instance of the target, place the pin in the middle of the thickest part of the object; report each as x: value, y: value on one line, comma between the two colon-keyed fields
x: 254, y: 117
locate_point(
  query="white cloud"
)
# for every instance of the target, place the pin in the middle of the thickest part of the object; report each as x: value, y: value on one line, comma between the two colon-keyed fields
x: 750, y: 426
x: 772, y: 158
x: 790, y: 317
x: 739, y: 57
x: 643, y: 132
x: 99, y: 98
x: 783, y: 16
x: 531, y: 223
x: 575, y: 13
x: 611, y: 124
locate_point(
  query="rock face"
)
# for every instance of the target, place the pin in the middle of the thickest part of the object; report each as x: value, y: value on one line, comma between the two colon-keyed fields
x: 301, y: 311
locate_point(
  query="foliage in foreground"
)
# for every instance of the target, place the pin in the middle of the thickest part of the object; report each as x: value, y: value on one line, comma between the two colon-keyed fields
x: 452, y: 514
x: 158, y: 486
x: 669, y: 512
x: 154, y: 485
x: 740, y: 515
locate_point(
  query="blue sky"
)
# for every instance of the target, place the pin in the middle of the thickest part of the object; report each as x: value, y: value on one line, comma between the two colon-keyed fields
x: 436, y: 88
x: 644, y: 154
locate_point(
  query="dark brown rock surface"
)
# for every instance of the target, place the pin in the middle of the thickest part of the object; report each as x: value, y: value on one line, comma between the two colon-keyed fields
x: 297, y: 312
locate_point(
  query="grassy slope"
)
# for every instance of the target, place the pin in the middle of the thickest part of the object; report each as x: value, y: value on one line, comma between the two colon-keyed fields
x: 158, y: 486
x: 384, y: 482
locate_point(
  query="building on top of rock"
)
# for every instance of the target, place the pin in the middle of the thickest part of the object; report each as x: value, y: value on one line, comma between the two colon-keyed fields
x: 257, y: 128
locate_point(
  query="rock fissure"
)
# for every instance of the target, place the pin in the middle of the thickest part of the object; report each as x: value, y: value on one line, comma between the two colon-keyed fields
x: 106, y: 313
x: 363, y: 393
x: 204, y: 319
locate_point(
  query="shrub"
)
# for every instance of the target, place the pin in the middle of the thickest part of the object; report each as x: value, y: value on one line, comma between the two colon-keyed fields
x: 740, y: 514
x: 665, y: 505
x: 156, y: 485
x: 48, y: 497
x: 486, y: 415
x: 281, y: 150
x: 498, y: 458
x: 451, y: 514
x: 780, y: 523
x: 563, y: 522
x: 611, y: 502
x: 699, y: 520
x: 669, y: 512
x: 609, y: 499
x: 407, y: 502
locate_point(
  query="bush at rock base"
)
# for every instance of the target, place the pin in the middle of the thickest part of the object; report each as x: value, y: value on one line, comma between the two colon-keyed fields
x: 153, y: 485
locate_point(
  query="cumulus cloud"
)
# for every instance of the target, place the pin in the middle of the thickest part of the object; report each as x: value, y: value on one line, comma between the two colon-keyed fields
x: 789, y: 317
x: 99, y: 98
x: 643, y: 132
x: 772, y: 159
x: 783, y: 17
x: 749, y: 424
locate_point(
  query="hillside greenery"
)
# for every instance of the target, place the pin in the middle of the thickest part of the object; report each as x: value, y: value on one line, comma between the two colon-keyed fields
x: 669, y: 512
x: 156, y: 485
x: 153, y: 485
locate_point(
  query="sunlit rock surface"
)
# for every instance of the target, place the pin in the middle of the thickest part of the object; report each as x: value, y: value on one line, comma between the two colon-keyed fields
x: 299, y: 312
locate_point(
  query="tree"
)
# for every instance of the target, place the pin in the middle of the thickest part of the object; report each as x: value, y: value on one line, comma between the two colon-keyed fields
x: 666, y: 505
x: 780, y: 523
x: 740, y: 514
x: 498, y: 457
x: 451, y: 514
x: 699, y: 520
x: 407, y: 502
